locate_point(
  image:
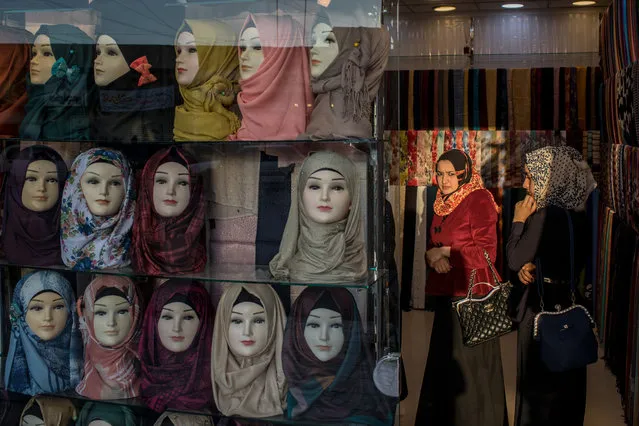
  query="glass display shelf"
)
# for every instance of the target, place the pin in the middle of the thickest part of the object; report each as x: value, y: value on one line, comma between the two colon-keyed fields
x: 224, y: 273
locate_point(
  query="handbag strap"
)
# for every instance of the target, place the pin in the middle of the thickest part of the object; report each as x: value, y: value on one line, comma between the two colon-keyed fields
x: 474, y: 273
x: 540, y: 279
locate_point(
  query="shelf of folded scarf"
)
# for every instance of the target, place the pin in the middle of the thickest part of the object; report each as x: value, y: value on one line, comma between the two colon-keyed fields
x: 223, y: 273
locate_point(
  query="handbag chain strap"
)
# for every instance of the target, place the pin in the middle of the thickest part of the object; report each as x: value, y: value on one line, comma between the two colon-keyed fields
x: 473, y: 274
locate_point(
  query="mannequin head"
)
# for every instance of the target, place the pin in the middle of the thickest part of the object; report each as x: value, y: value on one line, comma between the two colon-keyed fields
x: 324, y: 333
x: 42, y: 60
x: 324, y: 50
x: 187, y: 62
x: 41, y: 190
x: 326, y: 198
x: 248, y: 328
x: 47, y: 315
x: 112, y: 319
x: 103, y: 188
x: 251, y: 54
x: 177, y: 326
x: 109, y: 64
x: 100, y: 423
x: 31, y: 420
x: 171, y: 189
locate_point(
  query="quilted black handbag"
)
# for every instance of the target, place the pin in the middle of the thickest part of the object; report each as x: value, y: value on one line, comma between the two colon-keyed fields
x: 566, y: 338
x: 487, y: 317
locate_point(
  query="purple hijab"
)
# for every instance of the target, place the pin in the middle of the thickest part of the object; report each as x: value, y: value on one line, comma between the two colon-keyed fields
x: 31, y: 238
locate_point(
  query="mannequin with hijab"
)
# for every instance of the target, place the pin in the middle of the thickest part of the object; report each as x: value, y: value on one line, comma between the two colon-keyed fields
x: 45, y: 350
x: 98, y: 205
x: 206, y: 70
x: 110, y: 320
x: 322, y: 240
x: 168, y: 232
x: 272, y: 56
x: 182, y: 419
x: 327, y: 361
x: 48, y: 411
x: 175, y: 347
x: 248, y: 379
x: 58, y: 85
x: 31, y: 223
x: 100, y: 414
x: 133, y: 71
x: 15, y: 53
x: 347, y: 65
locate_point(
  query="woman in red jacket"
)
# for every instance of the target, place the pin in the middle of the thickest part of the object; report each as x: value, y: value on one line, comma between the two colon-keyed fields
x: 462, y: 385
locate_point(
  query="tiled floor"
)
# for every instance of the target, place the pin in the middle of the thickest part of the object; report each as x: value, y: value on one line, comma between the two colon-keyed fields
x: 603, y: 405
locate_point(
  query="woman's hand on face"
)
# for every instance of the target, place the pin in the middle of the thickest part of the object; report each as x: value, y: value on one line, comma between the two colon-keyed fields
x: 524, y: 209
x: 433, y: 255
x: 526, y: 273
x: 442, y: 266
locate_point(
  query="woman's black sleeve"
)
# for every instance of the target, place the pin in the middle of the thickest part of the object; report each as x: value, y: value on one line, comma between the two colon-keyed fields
x: 523, y: 241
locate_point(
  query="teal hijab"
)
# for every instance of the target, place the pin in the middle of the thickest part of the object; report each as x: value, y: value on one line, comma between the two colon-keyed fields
x: 115, y: 415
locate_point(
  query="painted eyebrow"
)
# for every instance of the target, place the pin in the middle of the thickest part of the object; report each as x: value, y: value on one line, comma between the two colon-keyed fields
x: 37, y: 171
x: 121, y: 303
x: 315, y: 316
x: 42, y: 301
x: 316, y: 178
x: 239, y: 313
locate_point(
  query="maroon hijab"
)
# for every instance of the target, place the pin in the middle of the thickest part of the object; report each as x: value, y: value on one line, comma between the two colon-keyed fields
x: 181, y: 381
x: 15, y: 54
x: 169, y: 245
x: 31, y: 238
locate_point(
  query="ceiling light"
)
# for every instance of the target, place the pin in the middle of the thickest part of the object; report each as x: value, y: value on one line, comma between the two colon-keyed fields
x: 512, y: 5
x: 444, y: 8
x: 584, y: 3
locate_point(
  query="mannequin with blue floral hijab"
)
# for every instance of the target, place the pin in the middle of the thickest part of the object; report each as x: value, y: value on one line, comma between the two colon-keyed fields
x: 35, y: 364
x: 90, y: 240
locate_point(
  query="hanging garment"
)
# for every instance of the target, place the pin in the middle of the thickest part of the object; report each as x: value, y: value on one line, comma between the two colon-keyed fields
x: 15, y: 54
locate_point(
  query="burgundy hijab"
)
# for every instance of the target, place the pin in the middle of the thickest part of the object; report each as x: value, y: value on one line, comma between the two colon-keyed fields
x: 31, y: 238
x: 15, y: 54
x: 169, y: 245
x: 181, y: 381
x: 338, y: 389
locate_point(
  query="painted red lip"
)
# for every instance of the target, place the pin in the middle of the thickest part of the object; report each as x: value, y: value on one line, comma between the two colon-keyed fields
x: 245, y: 68
x: 34, y: 71
x: 170, y: 202
x: 315, y: 62
x: 41, y: 198
x: 177, y: 338
x: 324, y: 348
x: 48, y: 327
x: 111, y: 333
x: 325, y: 208
x: 181, y: 70
x: 103, y: 202
x: 248, y: 342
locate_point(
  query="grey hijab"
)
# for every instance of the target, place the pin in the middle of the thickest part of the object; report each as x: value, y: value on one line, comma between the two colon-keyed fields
x: 314, y: 252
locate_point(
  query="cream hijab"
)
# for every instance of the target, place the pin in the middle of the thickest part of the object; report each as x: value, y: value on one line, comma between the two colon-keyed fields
x: 330, y: 253
x: 249, y: 386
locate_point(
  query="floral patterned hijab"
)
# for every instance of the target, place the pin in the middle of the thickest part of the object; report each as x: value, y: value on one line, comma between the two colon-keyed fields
x: 89, y: 241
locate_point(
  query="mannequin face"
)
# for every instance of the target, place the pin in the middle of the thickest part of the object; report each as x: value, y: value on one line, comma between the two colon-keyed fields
x: 324, y: 50
x: 171, y: 189
x: 187, y: 63
x: 324, y: 333
x: 31, y: 420
x: 40, y: 191
x: 103, y: 188
x: 99, y: 423
x: 251, y: 54
x: 248, y: 329
x: 42, y: 60
x: 111, y: 320
x: 109, y: 64
x: 47, y: 315
x: 447, y: 177
x: 326, y: 198
x: 177, y: 326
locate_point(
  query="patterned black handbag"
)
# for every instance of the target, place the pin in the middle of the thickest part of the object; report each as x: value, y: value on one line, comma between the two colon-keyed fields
x: 484, y: 318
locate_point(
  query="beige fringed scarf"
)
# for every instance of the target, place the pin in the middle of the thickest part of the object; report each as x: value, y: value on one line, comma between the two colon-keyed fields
x: 314, y: 252
x: 249, y: 386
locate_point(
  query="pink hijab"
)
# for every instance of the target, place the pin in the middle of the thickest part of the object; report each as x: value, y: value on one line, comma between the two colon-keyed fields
x: 110, y: 372
x: 276, y: 101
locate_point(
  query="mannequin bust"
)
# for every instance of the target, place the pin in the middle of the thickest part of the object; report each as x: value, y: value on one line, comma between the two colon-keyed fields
x: 324, y: 50
x: 100, y: 423
x: 326, y: 198
x: 112, y: 318
x: 177, y: 326
x: 171, y: 189
x: 187, y: 63
x: 251, y: 54
x: 42, y: 60
x: 41, y: 190
x: 324, y: 333
x: 109, y: 63
x: 31, y: 420
x: 47, y: 315
x: 248, y: 328
x: 103, y: 188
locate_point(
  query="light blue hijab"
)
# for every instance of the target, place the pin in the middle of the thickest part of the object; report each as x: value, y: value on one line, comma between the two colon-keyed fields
x: 35, y: 366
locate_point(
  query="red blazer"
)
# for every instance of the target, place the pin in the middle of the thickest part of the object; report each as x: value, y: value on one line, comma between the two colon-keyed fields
x: 468, y: 230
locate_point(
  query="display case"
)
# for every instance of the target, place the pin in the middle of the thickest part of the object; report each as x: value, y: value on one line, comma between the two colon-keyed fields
x: 194, y: 222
